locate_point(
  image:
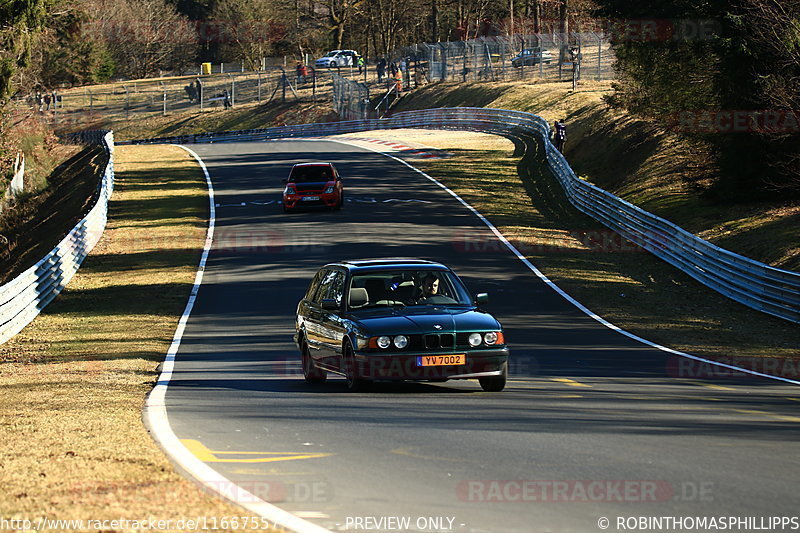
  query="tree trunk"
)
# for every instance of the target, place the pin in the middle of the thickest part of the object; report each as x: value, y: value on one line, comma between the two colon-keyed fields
x: 434, y: 21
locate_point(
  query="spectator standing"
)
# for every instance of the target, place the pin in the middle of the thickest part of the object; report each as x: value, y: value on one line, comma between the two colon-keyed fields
x: 360, y: 63
x: 47, y: 98
x: 560, y: 135
x: 226, y: 99
x: 300, y: 71
x: 380, y: 68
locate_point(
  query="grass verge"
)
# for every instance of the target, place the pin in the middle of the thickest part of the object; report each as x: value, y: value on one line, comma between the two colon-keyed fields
x: 617, y: 280
x: 73, y: 383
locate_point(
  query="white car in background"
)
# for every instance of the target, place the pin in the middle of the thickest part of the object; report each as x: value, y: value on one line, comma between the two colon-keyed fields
x: 337, y: 58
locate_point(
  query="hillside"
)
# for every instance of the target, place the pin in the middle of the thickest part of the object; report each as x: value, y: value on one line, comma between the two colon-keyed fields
x: 642, y: 162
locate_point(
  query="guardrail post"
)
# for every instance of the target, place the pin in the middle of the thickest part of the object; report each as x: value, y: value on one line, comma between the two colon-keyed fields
x: 200, y: 92
x: 599, y: 57
x: 164, y: 108
x: 127, y: 101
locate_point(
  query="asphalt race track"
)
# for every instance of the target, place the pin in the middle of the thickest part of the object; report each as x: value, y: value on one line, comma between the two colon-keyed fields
x: 592, y: 424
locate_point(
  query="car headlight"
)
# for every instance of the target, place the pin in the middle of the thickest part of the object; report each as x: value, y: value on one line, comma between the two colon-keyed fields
x: 400, y: 342
x: 475, y: 339
x: 490, y: 338
x: 384, y: 342
x: 289, y: 191
x: 329, y: 190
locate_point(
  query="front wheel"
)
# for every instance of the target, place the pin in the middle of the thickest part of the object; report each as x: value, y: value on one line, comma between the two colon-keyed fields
x: 495, y: 383
x: 311, y: 373
x: 352, y: 381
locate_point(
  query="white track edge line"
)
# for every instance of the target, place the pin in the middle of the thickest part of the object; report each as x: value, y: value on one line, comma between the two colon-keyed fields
x: 157, y: 420
x: 558, y: 289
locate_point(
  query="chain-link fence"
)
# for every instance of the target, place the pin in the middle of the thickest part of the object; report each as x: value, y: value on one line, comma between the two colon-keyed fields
x: 546, y: 56
x: 351, y: 98
x: 165, y: 96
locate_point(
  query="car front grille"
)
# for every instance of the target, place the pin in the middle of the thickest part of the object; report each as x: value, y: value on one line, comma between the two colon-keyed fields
x: 438, y: 341
x: 309, y: 189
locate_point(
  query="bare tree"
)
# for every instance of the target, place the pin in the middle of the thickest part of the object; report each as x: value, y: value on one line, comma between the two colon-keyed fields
x: 144, y: 36
x: 340, y: 13
x: 248, y: 29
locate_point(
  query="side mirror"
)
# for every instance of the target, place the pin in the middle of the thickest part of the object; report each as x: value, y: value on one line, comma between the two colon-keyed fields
x: 330, y: 305
x: 284, y: 180
x: 482, y: 298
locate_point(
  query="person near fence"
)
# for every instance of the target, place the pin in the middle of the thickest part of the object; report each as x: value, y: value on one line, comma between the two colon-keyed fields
x: 301, y: 72
x: 380, y: 68
x: 559, y: 135
x: 191, y: 92
x: 420, y: 76
x: 398, y: 80
x: 226, y: 99
x: 360, y: 63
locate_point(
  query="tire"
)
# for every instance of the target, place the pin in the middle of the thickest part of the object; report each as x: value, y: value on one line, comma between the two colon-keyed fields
x: 311, y: 373
x: 495, y: 383
x: 352, y: 381
x: 340, y: 203
x: 333, y: 64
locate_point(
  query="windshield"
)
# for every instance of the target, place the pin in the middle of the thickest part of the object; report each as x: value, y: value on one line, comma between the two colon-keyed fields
x: 311, y: 174
x: 390, y: 288
x: 330, y: 54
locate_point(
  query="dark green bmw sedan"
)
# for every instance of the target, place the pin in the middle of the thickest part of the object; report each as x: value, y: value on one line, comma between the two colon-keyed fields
x: 397, y: 319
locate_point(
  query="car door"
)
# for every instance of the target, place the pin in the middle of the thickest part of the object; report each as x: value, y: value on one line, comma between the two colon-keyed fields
x: 310, y: 315
x: 332, y: 325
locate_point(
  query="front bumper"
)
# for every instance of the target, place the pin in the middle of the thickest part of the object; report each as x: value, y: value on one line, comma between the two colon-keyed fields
x: 296, y: 200
x: 393, y: 366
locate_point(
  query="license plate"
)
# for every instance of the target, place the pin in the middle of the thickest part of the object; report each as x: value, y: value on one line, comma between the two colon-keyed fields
x: 442, y: 360
x: 310, y: 198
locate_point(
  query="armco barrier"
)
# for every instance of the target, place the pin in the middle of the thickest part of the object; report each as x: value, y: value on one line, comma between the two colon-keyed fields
x: 744, y: 280
x: 22, y: 298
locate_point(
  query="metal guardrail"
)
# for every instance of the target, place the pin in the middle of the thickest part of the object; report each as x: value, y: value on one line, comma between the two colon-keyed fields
x: 757, y: 285
x: 23, y: 298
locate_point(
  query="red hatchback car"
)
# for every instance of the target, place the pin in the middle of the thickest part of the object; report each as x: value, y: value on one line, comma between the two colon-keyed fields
x: 313, y: 184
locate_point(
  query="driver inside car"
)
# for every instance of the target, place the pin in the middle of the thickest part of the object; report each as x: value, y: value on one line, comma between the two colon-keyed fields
x: 430, y: 287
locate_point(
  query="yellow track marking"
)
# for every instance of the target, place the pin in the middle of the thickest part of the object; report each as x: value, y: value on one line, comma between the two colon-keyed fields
x: 770, y: 415
x: 570, y: 382
x: 711, y: 386
x: 207, y: 456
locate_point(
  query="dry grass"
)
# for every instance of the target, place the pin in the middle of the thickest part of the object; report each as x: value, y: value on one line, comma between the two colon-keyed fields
x: 618, y: 281
x: 73, y: 383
